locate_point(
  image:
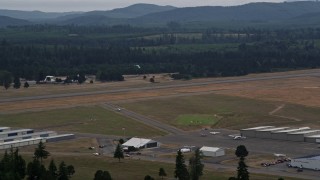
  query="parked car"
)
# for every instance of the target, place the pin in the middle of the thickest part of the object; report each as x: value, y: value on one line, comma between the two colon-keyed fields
x: 299, y: 170
x: 203, y: 135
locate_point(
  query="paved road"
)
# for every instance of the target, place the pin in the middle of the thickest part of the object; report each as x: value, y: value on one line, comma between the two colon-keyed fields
x: 180, y: 84
x: 144, y: 119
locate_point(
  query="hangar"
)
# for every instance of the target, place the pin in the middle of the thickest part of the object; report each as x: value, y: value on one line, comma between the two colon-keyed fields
x: 19, y: 143
x: 308, y: 162
x: 251, y: 132
x: 29, y: 136
x: 141, y: 143
x: 282, y: 134
x: 266, y: 133
x: 300, y: 136
x: 313, y: 138
x: 4, y: 129
x: 17, y: 132
x: 23, y: 137
x: 212, y: 151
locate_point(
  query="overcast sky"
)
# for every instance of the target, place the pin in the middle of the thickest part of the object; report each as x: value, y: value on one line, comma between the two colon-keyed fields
x: 87, y: 5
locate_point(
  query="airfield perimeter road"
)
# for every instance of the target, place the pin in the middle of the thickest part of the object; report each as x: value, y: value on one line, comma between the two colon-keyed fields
x: 167, y: 86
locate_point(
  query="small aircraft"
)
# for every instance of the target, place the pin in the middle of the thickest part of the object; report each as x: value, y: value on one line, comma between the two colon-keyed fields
x: 214, y: 133
x: 239, y: 137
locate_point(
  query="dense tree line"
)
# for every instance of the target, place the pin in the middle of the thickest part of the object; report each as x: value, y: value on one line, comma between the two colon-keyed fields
x: 258, y: 51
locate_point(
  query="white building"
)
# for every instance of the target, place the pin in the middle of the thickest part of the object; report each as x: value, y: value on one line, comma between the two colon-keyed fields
x: 251, y: 132
x: 141, y: 143
x: 308, y: 162
x: 212, y: 151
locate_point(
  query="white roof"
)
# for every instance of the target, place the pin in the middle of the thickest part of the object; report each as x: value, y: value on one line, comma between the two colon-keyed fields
x: 314, y: 136
x: 137, y: 142
x: 57, y: 136
x: 16, y: 131
x: 257, y: 128
x: 3, y: 128
x: 305, y: 132
x: 27, y: 135
x: 212, y: 149
x: 274, y: 129
x: 292, y: 130
x: 20, y: 141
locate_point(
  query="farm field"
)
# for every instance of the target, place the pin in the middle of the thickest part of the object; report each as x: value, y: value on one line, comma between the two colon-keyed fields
x: 93, y: 119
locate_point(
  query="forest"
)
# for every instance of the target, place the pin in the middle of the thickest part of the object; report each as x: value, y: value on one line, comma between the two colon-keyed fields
x: 34, y: 51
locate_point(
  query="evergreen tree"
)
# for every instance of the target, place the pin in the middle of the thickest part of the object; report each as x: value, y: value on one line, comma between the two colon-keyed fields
x: 65, y: 172
x: 40, y: 152
x: 35, y: 170
x: 241, y: 151
x: 26, y: 85
x: 81, y: 78
x: 102, y: 175
x: 12, y: 166
x: 147, y: 177
x: 162, y: 173
x: 196, y: 167
x: 6, y: 84
x: 118, y: 153
x: 17, y: 83
x: 243, y: 173
x: 52, y: 169
x: 19, y: 164
x: 181, y: 171
x: 5, y: 79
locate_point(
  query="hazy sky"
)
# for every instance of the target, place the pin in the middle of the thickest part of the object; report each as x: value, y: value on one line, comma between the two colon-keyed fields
x: 87, y: 5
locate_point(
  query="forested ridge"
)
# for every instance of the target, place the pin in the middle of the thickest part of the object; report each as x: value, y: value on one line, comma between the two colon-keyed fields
x: 117, y: 50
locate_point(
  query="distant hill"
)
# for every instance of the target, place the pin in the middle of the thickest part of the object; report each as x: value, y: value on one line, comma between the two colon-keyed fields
x: 132, y: 11
x: 247, y: 12
x: 148, y: 14
x: 8, y: 21
x: 115, y: 16
x: 33, y: 15
x: 93, y: 20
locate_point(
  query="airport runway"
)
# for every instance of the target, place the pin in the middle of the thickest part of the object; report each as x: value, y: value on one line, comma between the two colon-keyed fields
x: 167, y: 86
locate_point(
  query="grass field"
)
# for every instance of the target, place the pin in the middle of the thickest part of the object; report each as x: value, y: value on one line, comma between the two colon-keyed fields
x: 196, y: 119
x: 91, y: 119
x: 234, y: 112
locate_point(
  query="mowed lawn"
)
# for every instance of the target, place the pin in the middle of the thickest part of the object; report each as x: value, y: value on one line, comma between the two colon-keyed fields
x: 92, y: 119
x: 227, y: 111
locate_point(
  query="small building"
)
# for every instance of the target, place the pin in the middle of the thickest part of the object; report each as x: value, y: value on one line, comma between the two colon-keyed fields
x: 300, y: 136
x: 18, y: 132
x: 251, y: 132
x: 28, y: 136
x: 313, y: 138
x: 20, y: 143
x: 4, y: 129
x: 212, y: 151
x: 266, y: 133
x: 141, y: 143
x: 282, y: 134
x: 307, y: 162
